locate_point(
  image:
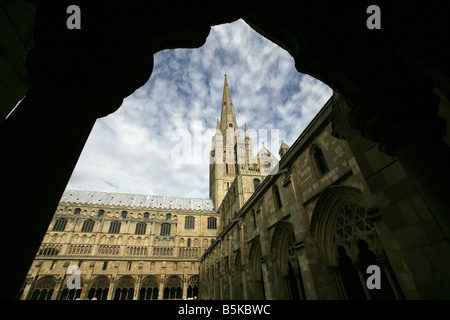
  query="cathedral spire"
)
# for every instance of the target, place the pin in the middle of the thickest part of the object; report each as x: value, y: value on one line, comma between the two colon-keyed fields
x: 227, y: 118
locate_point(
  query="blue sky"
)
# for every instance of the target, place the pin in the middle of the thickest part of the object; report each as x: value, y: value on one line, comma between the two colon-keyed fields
x: 135, y: 149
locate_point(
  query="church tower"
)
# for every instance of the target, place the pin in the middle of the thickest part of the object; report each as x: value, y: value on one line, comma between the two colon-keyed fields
x: 223, y: 152
x: 232, y: 156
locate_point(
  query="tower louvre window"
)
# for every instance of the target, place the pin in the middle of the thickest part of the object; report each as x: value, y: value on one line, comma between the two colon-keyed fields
x: 165, y: 229
x: 60, y: 225
x: 189, y: 222
x: 141, y: 227
x: 114, y: 227
x: 88, y: 225
x: 212, y: 223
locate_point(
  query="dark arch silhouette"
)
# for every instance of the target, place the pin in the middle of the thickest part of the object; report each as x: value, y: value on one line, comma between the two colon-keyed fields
x: 76, y: 77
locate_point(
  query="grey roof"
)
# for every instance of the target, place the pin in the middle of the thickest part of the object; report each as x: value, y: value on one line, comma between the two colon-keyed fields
x: 135, y: 200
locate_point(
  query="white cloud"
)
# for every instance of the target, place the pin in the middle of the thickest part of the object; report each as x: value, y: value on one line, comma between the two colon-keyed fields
x: 130, y: 150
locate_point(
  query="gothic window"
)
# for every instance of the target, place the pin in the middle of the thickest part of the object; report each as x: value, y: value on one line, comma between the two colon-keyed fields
x: 141, y: 227
x: 124, y: 289
x: 99, y: 288
x: 146, y: 215
x: 124, y: 214
x: 165, y: 229
x: 88, y: 225
x: 212, y: 223
x: 100, y: 213
x: 114, y: 227
x: 77, y: 211
x: 168, y: 217
x: 60, y: 224
x: 350, y: 220
x: 44, y: 289
x: 256, y: 183
x: 173, y: 288
x: 192, y: 291
x: 320, y: 160
x: 254, y: 219
x: 189, y: 222
x: 149, y: 288
x: 277, y: 198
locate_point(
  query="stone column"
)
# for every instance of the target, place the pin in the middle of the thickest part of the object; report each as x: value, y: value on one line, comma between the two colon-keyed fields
x: 357, y: 267
x: 401, y: 115
x: 161, y: 287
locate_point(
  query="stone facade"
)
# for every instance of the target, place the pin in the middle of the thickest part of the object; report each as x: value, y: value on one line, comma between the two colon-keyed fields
x: 305, y: 227
x: 313, y: 227
x: 125, y: 246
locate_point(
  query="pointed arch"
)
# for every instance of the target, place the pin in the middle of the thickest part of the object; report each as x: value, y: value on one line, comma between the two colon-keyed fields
x: 149, y: 288
x: 124, y: 288
x: 238, y: 292
x: 99, y: 288
x: 349, y: 243
x: 340, y: 218
x: 44, y: 288
x: 255, y: 275
x: 173, y: 288
x: 284, y: 256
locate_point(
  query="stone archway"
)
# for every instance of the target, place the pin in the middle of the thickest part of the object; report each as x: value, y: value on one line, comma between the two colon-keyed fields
x: 106, y: 61
x: 348, y: 242
x: 288, y: 272
x: 255, y: 275
x: 173, y: 288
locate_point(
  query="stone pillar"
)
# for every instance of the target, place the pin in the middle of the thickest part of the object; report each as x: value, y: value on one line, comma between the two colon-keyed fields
x: 357, y: 267
x: 111, y: 292
x: 245, y: 288
x: 402, y: 117
x: 185, y: 287
x: 161, y: 287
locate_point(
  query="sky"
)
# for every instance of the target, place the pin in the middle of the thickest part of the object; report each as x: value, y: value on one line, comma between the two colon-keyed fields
x: 158, y: 141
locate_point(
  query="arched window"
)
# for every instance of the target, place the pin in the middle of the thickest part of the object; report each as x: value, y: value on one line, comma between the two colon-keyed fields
x: 173, y: 288
x: 114, y: 227
x: 100, y: 213
x: 44, y: 289
x: 141, y: 227
x: 276, y: 197
x: 60, y: 224
x: 88, y: 225
x: 77, y: 211
x: 168, y: 217
x: 212, y: 223
x: 71, y: 294
x: 99, y: 288
x: 124, y: 289
x: 165, y: 229
x: 149, y: 288
x: 189, y: 222
x: 189, y: 242
x: 320, y: 160
x: 124, y: 214
x: 146, y: 215
x: 192, y: 291
x: 256, y: 183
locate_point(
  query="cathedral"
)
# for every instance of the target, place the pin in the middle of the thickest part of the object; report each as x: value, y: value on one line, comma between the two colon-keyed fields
x: 356, y: 208
x: 130, y: 246
x: 305, y: 227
